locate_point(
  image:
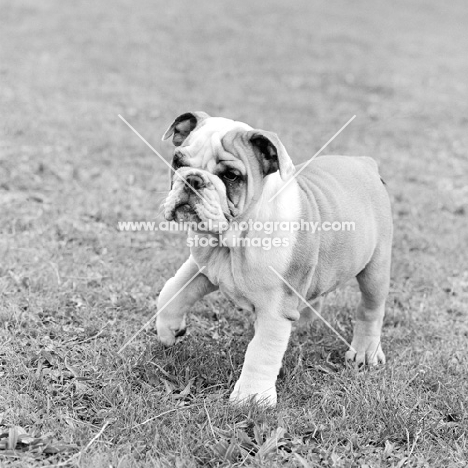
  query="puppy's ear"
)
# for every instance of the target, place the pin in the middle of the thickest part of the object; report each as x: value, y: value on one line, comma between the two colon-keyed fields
x: 271, y: 153
x: 183, y: 125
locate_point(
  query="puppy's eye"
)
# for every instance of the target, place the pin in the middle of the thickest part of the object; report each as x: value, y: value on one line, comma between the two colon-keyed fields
x: 230, y: 176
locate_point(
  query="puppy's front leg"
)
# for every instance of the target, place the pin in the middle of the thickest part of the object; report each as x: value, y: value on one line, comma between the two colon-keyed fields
x: 263, y: 360
x: 170, y: 322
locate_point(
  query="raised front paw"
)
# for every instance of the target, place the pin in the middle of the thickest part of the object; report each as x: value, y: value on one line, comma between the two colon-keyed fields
x: 245, y: 393
x: 168, y: 331
x: 365, y: 350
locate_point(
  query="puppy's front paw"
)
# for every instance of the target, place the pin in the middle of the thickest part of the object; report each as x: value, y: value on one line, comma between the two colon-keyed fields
x: 365, y: 349
x: 244, y: 393
x: 168, y: 332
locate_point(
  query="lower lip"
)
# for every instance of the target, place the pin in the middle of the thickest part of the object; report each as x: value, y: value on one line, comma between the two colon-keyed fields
x: 184, y: 213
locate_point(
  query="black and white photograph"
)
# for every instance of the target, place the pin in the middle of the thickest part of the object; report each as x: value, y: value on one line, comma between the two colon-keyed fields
x: 233, y: 234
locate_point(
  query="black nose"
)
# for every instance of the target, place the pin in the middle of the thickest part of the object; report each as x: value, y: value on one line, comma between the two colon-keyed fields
x: 195, y: 181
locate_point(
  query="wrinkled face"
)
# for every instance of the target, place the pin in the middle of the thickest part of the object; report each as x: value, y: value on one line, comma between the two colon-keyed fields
x: 218, y: 169
x: 210, y: 181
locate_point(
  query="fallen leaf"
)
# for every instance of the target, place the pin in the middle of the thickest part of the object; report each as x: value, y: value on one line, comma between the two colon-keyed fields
x: 13, y: 435
x: 81, y: 388
x: 272, y: 443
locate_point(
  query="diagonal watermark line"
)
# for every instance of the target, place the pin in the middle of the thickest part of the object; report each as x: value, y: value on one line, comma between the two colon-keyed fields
x: 163, y: 160
x: 312, y: 158
x: 313, y: 310
x: 160, y: 310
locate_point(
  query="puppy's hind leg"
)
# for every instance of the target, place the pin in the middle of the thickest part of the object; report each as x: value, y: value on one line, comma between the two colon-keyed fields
x: 374, y: 283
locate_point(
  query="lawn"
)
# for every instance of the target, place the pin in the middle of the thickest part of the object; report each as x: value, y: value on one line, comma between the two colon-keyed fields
x: 73, y: 288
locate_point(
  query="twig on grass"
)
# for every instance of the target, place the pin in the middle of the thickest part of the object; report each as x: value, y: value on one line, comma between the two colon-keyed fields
x: 163, y: 414
x: 91, y: 442
x: 91, y: 338
x: 56, y: 271
x: 209, y: 419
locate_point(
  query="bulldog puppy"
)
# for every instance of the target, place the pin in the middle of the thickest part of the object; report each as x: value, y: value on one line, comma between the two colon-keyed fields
x: 226, y: 172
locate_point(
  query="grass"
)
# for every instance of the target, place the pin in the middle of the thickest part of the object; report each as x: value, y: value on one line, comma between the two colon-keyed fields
x: 73, y: 288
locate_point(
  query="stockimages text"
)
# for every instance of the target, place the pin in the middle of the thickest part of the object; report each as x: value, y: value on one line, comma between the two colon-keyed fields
x: 233, y: 234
